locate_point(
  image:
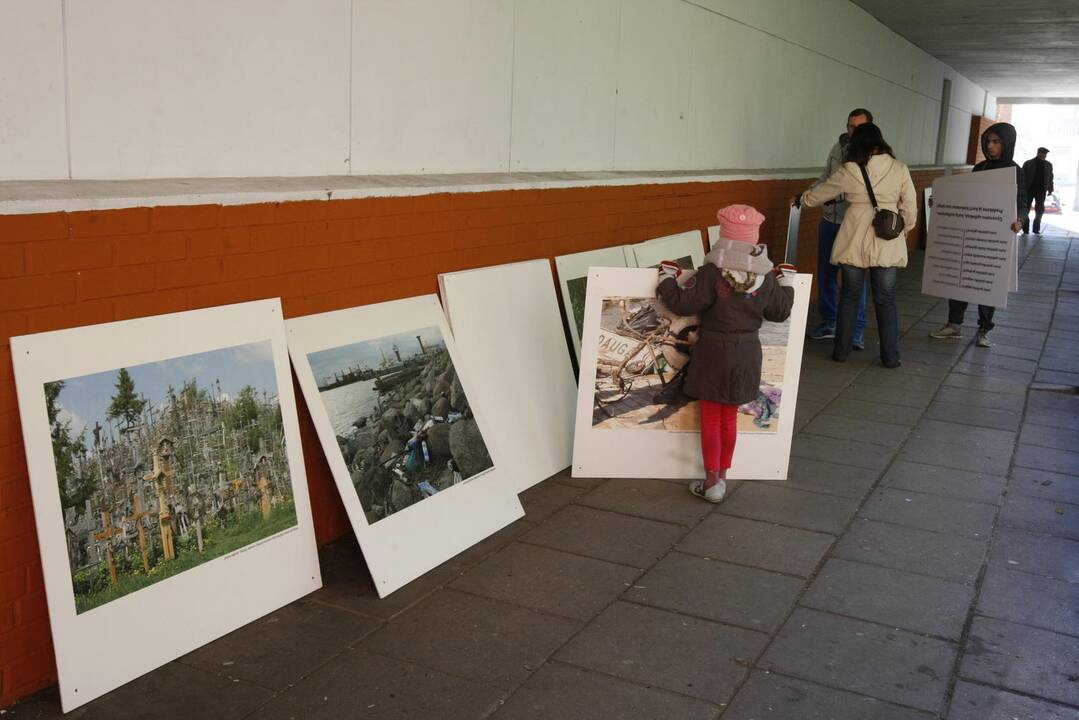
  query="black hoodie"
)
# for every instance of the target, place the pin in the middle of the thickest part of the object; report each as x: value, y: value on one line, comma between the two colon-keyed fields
x: 1006, y: 133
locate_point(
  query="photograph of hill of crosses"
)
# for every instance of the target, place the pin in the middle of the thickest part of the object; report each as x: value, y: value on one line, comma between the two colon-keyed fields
x: 164, y: 466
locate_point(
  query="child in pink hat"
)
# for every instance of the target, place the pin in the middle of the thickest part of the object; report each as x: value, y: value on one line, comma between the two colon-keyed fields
x: 733, y: 293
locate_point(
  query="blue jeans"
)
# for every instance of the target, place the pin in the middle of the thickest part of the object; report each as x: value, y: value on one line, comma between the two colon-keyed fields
x: 827, y: 275
x: 883, y: 280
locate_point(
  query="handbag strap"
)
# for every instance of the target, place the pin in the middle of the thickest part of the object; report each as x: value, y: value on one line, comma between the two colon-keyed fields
x: 869, y: 187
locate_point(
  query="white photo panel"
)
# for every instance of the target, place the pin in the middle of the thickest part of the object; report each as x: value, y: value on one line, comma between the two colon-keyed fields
x: 626, y: 426
x: 507, y: 326
x: 686, y: 249
x: 573, y: 281
x: 168, y: 485
x: 405, y: 439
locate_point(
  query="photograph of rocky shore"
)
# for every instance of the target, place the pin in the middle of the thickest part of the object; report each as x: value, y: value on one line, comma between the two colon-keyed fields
x: 401, y: 418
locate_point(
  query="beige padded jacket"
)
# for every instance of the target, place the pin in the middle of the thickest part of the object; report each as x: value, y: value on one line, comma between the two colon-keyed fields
x: 857, y: 244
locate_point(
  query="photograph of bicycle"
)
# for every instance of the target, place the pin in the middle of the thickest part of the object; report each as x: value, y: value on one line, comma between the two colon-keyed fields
x: 643, y: 351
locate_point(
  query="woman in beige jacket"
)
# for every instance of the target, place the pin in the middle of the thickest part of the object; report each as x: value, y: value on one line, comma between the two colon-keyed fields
x: 858, y: 251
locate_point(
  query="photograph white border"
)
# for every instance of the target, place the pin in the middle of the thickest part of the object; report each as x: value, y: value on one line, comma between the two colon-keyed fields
x: 403, y: 546
x: 621, y: 453
x: 232, y: 590
x: 668, y: 247
x: 506, y: 324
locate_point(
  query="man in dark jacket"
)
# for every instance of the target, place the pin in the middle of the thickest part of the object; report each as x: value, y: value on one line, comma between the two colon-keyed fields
x: 998, y: 146
x: 1039, y: 176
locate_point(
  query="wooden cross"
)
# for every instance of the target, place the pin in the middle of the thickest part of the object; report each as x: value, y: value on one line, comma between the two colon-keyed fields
x: 137, y: 517
x: 106, y: 535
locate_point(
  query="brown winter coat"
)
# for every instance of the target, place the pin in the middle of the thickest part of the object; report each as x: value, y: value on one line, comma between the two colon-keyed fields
x: 726, y: 363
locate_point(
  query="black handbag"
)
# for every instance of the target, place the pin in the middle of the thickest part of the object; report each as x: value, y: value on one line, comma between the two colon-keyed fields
x: 887, y: 224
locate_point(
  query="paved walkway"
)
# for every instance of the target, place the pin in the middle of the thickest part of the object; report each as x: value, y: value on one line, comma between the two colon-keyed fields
x: 921, y: 562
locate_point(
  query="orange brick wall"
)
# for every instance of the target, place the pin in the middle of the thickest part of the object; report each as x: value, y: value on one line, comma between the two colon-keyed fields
x: 61, y: 270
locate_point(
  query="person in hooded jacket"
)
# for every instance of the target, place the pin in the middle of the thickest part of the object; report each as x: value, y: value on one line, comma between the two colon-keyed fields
x: 998, y: 146
x: 858, y: 251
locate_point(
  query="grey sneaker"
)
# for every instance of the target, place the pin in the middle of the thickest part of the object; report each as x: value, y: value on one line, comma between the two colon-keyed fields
x: 948, y: 332
x: 982, y: 340
x: 714, y: 494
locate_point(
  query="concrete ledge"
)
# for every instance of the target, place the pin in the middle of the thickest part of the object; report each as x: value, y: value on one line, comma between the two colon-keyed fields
x: 40, y: 196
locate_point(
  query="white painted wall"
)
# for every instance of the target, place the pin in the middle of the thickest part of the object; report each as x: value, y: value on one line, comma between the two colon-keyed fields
x: 200, y: 88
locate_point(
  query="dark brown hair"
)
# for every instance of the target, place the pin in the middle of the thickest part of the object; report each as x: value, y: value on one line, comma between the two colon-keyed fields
x: 865, y: 141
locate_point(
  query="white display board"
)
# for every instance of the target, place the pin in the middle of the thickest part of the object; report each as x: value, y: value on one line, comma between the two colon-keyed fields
x: 971, y: 252
x: 507, y: 326
x: 794, y: 221
x: 165, y: 450
x: 573, y: 280
x: 629, y: 435
x: 687, y: 249
x: 713, y: 235
x: 416, y: 493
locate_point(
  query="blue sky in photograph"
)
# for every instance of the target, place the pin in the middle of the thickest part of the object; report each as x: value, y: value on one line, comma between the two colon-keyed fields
x: 85, y: 399
x: 325, y: 363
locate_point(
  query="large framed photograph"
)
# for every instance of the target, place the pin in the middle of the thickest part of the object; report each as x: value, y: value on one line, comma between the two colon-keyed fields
x: 168, y: 484
x: 407, y: 444
x: 573, y: 282
x: 633, y: 421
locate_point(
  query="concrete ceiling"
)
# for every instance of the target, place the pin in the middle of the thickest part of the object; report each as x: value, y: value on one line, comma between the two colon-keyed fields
x: 1012, y: 48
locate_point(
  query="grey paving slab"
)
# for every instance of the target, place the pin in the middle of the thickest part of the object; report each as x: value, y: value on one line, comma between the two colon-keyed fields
x: 279, y: 649
x: 988, y: 399
x: 358, y: 684
x: 481, y: 639
x: 1058, y: 418
x: 963, y: 447
x: 1057, y: 377
x: 653, y: 499
x: 1041, y: 516
x: 346, y: 583
x: 948, y: 431
x: 703, y: 659
x: 743, y: 596
x: 930, y: 512
x: 1067, y: 403
x: 1022, y: 658
x: 542, y: 500
x: 843, y: 452
x: 867, y: 409
x: 605, y: 535
x: 828, y: 478
x: 787, y: 506
x: 1000, y: 349
x: 1030, y: 599
x: 867, y: 431
x: 891, y: 597
x: 972, y: 415
x: 760, y: 544
x: 904, y: 548
x: 548, y: 580
x: 862, y: 657
x: 911, y: 397
x: 989, y: 372
x: 562, y: 691
x: 947, y: 482
x: 768, y: 696
x: 978, y: 702
x: 1044, y: 484
x: 1054, y: 557
x: 175, y: 689
x: 566, y: 478
x: 1042, y: 458
x: 815, y: 393
x: 993, y: 359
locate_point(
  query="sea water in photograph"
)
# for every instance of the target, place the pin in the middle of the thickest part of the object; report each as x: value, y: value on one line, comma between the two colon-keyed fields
x: 402, y: 421
x: 642, y: 350
x: 164, y: 466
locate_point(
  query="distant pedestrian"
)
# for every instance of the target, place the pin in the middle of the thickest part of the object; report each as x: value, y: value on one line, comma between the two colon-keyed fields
x: 998, y: 146
x: 1038, y: 173
x: 827, y: 273
x: 734, y: 291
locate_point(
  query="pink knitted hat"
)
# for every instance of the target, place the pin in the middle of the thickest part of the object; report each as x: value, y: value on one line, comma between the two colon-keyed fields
x: 740, y: 222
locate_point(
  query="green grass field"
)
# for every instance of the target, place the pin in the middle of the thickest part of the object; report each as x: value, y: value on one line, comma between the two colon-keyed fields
x: 240, y: 532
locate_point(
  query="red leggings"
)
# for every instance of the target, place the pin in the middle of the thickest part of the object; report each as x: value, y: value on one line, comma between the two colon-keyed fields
x: 719, y: 432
